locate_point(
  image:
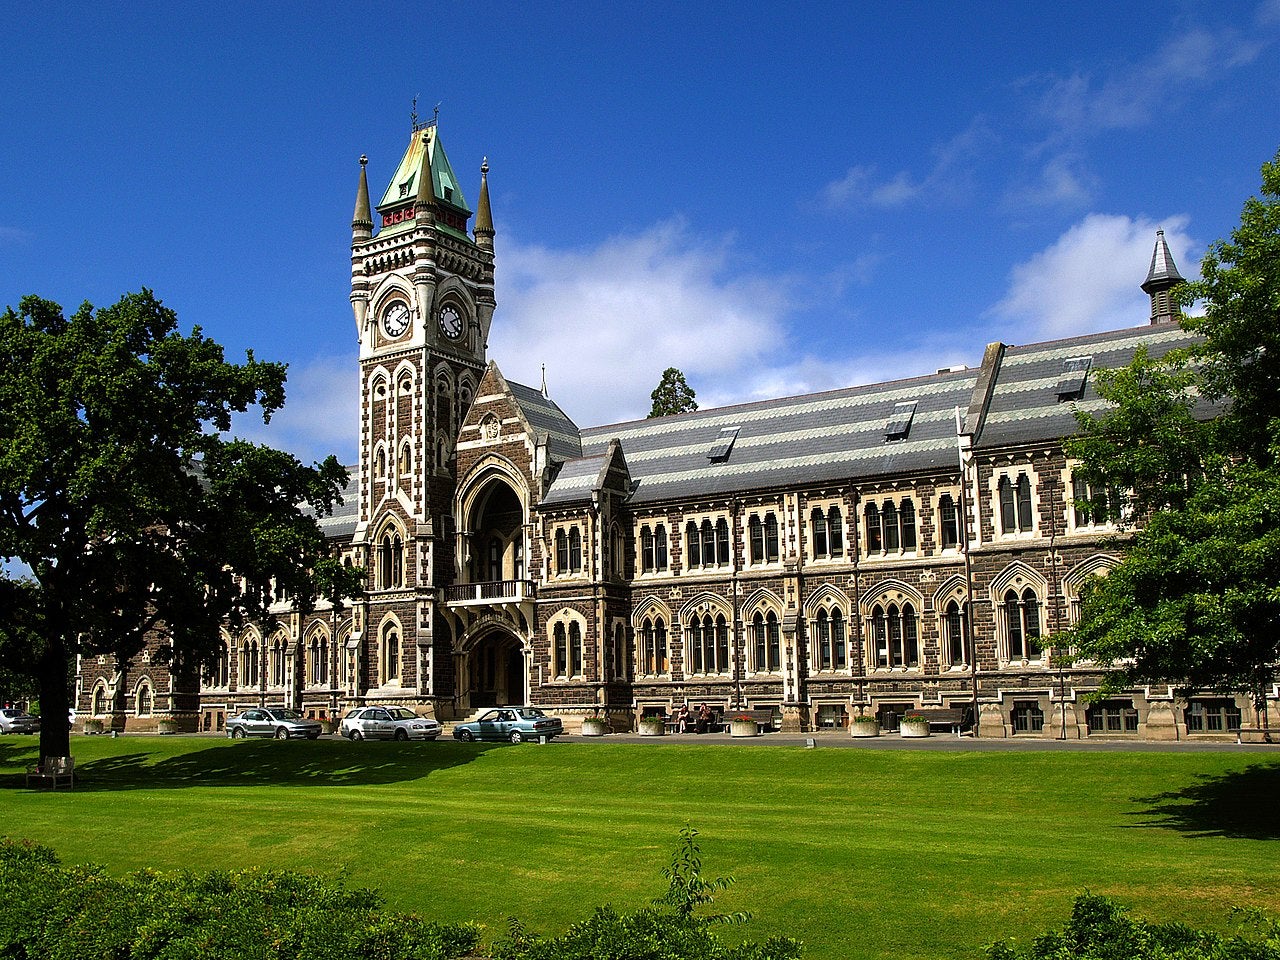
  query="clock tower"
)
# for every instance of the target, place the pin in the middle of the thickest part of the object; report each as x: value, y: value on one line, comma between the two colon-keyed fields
x: 422, y: 295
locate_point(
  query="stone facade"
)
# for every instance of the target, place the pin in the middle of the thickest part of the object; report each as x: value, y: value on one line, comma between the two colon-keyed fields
x: 863, y: 551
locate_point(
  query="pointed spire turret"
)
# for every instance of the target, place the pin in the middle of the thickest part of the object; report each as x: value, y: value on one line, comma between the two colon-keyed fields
x: 484, y: 216
x: 362, y: 221
x: 425, y: 203
x: 1161, y: 278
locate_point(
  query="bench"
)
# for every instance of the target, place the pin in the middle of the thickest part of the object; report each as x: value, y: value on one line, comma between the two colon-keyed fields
x: 53, y: 770
x: 948, y: 718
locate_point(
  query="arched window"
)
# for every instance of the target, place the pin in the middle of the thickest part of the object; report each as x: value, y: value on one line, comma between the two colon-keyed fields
x: 875, y: 531
x: 692, y: 546
x: 380, y: 464
x: 723, y: 558
x: 948, y: 523
x: 99, y: 700
x: 831, y: 643
x: 143, y: 699
x: 892, y: 534
x: 575, y: 649
x: 953, y: 634
x: 562, y: 552
x: 708, y: 544
x: 818, y: 523
x: 278, y: 647
x: 618, y: 667
x: 406, y: 459
x: 1015, y: 504
x: 766, y: 646
x: 653, y: 646
x: 575, y: 550
x: 390, y: 655
x: 391, y: 561
x: 880, y: 636
x: 1022, y: 624
x: 560, y: 651
x: 907, y: 520
x: 763, y: 534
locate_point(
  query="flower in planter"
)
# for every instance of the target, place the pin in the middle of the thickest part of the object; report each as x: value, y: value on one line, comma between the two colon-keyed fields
x: 865, y: 719
x: 914, y: 718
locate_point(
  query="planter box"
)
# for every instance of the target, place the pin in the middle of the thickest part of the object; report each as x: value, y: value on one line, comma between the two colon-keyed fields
x: 918, y: 729
x: 593, y: 727
x: 864, y: 729
x: 744, y: 728
x: 650, y: 729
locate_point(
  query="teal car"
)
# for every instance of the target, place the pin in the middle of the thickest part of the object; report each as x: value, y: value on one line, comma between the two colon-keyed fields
x: 510, y: 723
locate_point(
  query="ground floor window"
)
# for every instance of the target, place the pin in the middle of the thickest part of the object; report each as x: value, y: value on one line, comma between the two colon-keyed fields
x: 832, y: 716
x: 1113, y: 716
x: 1027, y: 717
x: 1212, y: 716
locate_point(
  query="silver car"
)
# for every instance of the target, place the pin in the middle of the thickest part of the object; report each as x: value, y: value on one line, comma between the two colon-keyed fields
x: 388, y: 723
x: 279, y: 722
x: 18, y: 721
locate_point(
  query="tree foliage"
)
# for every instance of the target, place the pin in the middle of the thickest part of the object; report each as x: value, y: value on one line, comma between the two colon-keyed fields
x: 672, y: 395
x: 1194, y: 436
x: 134, y: 514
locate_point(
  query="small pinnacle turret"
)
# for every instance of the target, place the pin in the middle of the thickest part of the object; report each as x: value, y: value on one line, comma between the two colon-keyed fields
x: 1161, y: 278
x: 484, y: 216
x: 362, y: 221
x: 424, y: 205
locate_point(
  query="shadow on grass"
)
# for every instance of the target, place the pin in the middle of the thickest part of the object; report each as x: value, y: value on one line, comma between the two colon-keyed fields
x: 1238, y: 804
x: 333, y: 763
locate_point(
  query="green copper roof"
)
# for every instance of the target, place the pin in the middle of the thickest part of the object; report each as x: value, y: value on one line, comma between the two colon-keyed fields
x: 403, y: 188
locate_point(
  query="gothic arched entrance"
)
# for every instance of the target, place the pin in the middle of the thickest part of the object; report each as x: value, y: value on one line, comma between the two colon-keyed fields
x: 494, y: 670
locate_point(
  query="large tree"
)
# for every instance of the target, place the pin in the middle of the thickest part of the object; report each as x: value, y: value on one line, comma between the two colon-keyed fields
x: 1195, y: 438
x: 672, y: 395
x: 135, y: 515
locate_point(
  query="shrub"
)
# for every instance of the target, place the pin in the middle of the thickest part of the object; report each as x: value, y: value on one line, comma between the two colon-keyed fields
x: 49, y: 911
x: 1100, y: 929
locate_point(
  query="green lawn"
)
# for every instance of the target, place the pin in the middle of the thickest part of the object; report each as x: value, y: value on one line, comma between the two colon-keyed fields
x: 860, y: 853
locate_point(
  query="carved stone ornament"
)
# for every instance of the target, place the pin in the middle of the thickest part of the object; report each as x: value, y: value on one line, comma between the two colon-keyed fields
x: 490, y: 428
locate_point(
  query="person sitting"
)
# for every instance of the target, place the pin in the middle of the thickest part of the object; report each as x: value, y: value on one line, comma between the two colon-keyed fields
x: 682, y: 718
x: 704, y: 719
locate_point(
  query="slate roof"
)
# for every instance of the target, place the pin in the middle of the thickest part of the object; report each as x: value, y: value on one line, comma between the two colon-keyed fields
x: 544, y: 416
x: 342, y: 522
x: 841, y: 436
x: 831, y: 437
x: 1025, y: 407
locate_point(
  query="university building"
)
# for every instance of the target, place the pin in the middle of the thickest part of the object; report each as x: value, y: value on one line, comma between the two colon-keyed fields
x: 914, y: 543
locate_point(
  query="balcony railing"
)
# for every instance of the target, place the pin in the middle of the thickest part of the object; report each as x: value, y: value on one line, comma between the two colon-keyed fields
x: 493, y: 591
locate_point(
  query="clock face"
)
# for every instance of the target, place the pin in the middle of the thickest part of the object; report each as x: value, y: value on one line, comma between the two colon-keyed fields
x: 450, y: 321
x: 395, y: 321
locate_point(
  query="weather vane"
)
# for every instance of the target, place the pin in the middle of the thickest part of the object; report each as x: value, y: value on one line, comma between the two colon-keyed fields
x: 413, y: 112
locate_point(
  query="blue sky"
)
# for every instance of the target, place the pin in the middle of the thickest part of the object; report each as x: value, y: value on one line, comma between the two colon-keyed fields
x: 774, y: 200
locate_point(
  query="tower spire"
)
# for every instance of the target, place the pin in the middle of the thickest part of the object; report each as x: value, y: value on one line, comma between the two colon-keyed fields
x: 425, y: 203
x: 1161, y: 278
x: 484, y: 216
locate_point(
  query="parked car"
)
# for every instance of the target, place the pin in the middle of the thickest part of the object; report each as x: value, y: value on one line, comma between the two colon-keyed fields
x: 510, y: 723
x: 388, y: 723
x: 279, y: 722
x: 13, y: 720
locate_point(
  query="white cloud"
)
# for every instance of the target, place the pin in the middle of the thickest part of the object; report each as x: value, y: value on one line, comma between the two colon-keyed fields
x: 607, y: 321
x: 1088, y: 280
x: 320, y: 415
x: 1062, y: 181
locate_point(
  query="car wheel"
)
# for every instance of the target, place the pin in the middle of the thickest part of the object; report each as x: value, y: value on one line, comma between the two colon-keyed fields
x: 282, y: 733
x: 516, y: 736
x: 356, y: 735
x: 402, y: 735
x: 237, y: 733
x: 466, y: 736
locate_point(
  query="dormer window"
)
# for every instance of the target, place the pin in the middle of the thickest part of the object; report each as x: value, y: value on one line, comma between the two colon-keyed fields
x: 899, y: 424
x: 1074, y: 373
x: 719, y: 451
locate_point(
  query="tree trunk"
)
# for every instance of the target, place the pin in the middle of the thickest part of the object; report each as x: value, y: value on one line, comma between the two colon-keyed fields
x: 51, y: 675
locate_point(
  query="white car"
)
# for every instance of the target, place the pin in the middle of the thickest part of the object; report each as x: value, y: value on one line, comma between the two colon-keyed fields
x: 388, y: 723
